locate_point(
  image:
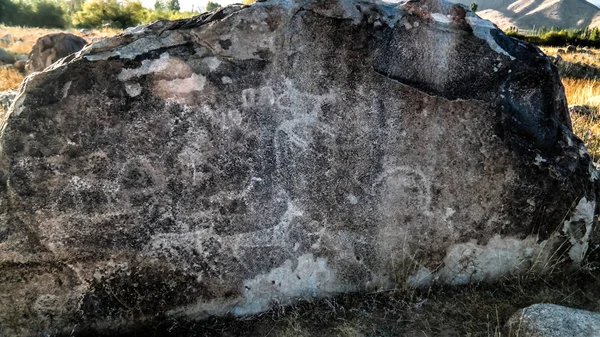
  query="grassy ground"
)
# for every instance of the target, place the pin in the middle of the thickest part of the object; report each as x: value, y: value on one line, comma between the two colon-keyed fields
x: 591, y: 57
x: 470, y: 311
x: 584, y: 92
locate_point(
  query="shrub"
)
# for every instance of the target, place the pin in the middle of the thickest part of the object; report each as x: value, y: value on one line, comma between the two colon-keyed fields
x: 96, y: 13
x: 211, y: 6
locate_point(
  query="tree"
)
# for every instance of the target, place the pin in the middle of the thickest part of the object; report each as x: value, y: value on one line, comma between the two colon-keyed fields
x: 211, y: 6
x: 595, y: 34
x: 7, y: 11
x: 34, y: 13
x: 173, y: 5
x: 474, y: 7
x: 159, y: 6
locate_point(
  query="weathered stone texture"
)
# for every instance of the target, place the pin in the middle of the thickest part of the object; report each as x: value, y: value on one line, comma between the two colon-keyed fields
x: 259, y: 155
x: 550, y: 320
x: 52, y: 47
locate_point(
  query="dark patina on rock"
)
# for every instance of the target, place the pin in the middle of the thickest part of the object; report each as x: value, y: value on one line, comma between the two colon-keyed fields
x: 258, y: 155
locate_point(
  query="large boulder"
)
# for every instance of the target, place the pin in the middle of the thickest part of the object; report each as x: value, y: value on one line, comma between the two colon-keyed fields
x: 258, y: 155
x: 52, y: 47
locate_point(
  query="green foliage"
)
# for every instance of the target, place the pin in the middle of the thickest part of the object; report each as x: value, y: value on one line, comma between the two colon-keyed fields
x: 211, y: 6
x: 96, y: 13
x: 7, y: 11
x: 87, y: 14
x: 34, y: 13
x: 173, y: 5
x: 473, y: 7
x: 556, y: 37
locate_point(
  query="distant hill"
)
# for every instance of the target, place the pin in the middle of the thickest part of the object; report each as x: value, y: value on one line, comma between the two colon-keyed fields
x: 533, y: 14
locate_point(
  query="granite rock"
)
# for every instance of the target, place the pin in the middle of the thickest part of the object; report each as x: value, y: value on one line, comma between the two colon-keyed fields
x: 52, y: 47
x: 259, y: 155
x: 551, y: 320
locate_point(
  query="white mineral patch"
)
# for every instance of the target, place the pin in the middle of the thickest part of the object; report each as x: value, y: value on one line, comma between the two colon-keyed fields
x: 352, y: 199
x: 470, y: 263
x: 482, y: 29
x: 539, y: 159
x: 147, y: 67
x: 441, y: 18
x: 66, y: 89
x: 582, y: 218
x: 134, y: 89
x: 312, y: 277
x: 226, y: 80
x: 421, y: 279
x: 449, y: 213
x: 212, y: 62
x: 182, y: 85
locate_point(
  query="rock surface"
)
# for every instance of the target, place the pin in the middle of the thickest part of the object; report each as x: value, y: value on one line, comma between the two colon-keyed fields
x: 6, y: 57
x: 255, y: 156
x: 6, y: 98
x: 550, y: 320
x: 52, y: 47
x: 20, y: 65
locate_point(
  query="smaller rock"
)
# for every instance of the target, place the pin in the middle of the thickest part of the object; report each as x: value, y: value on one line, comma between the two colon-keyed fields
x: 52, y: 47
x: 6, y: 39
x: 21, y: 57
x: 571, y: 49
x: 6, y: 57
x: 20, y: 65
x: 85, y: 32
x: 551, y: 320
x: 6, y: 98
x: 581, y: 110
x: 560, y: 51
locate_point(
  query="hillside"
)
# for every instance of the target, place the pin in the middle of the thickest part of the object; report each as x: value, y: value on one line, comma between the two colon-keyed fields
x: 531, y: 14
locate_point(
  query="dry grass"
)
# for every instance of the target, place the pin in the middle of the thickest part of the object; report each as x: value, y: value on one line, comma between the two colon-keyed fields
x: 592, y: 57
x: 10, y: 79
x: 584, y: 92
x: 586, y: 126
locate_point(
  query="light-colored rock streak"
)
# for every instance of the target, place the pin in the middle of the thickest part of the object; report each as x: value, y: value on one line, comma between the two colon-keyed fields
x: 581, y: 220
x: 470, y: 262
x: 482, y: 29
x: 312, y: 277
